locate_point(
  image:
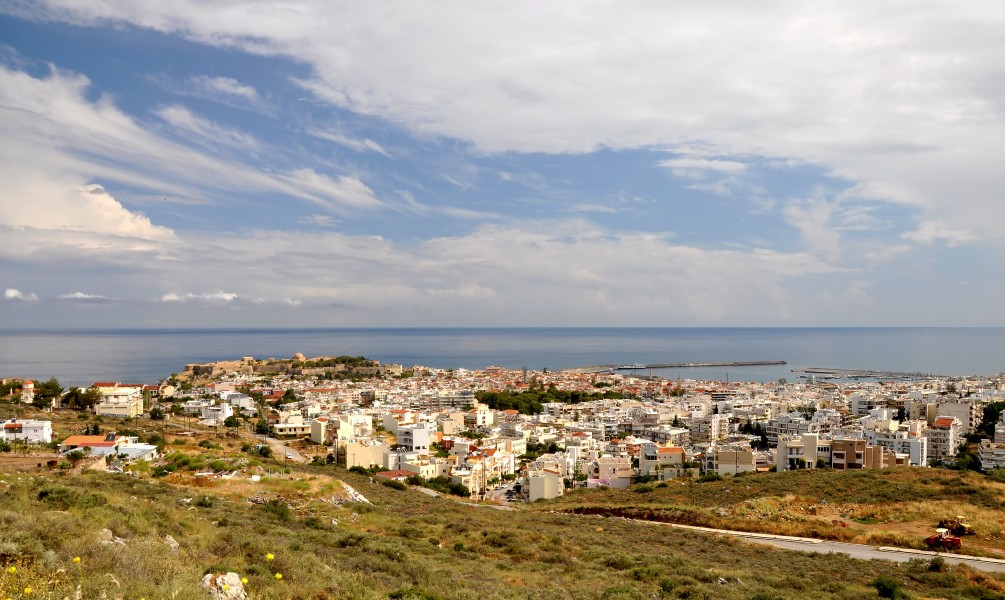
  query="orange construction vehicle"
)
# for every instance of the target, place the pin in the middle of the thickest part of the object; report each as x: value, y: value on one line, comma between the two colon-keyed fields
x: 943, y: 540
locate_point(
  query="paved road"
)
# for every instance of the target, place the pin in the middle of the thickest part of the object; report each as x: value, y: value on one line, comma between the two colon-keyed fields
x: 282, y: 450
x: 854, y: 550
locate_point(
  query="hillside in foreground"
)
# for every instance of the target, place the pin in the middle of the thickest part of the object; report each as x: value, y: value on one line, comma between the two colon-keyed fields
x: 894, y: 507
x: 405, y: 544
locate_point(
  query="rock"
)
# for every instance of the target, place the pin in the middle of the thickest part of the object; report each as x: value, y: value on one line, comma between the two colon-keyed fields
x: 172, y: 543
x: 224, y: 586
x: 107, y: 538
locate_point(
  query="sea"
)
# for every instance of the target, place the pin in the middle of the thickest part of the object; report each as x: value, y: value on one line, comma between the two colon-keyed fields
x: 81, y: 357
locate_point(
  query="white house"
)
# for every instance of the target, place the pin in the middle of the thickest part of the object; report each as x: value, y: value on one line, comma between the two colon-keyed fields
x: 24, y: 430
x: 119, y: 400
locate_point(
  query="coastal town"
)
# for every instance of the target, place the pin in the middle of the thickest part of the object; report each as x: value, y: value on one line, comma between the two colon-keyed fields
x: 510, y: 435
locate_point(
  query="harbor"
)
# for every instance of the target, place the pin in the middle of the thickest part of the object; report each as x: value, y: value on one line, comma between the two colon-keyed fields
x: 677, y: 365
x: 830, y: 373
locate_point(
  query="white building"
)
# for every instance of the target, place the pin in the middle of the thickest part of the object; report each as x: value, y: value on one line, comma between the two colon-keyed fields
x: 902, y: 441
x: 788, y: 424
x: 543, y: 484
x: 944, y: 438
x: 966, y: 411
x: 992, y: 455
x: 25, y: 430
x: 119, y: 400
x: 414, y: 438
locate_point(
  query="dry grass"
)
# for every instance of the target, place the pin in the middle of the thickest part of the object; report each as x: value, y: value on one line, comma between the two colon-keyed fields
x: 902, y: 505
x: 404, y: 545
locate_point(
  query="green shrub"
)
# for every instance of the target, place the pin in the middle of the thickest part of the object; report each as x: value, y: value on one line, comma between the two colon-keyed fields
x: 66, y: 498
x: 888, y: 587
x: 277, y: 508
x: 394, y: 485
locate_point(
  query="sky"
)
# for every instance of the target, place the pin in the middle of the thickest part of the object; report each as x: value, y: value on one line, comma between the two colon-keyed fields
x: 518, y: 163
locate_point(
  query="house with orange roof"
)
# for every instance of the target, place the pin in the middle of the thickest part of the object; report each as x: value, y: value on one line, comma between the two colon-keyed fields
x: 660, y: 462
x: 80, y: 442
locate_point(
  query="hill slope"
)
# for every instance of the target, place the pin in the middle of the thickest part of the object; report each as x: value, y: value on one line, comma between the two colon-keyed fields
x: 403, y: 545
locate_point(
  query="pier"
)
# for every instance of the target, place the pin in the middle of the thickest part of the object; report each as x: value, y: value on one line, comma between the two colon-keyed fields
x: 829, y: 373
x: 678, y: 365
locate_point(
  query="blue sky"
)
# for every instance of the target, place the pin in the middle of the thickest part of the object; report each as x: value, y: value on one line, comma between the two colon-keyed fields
x: 286, y: 164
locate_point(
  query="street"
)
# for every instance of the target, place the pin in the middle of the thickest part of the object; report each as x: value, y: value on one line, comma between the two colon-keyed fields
x: 854, y: 550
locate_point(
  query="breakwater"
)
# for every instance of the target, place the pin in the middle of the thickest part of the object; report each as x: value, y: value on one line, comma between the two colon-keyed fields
x: 677, y: 365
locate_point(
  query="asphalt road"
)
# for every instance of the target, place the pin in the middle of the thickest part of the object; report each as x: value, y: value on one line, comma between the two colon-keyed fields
x: 854, y: 550
x: 282, y: 450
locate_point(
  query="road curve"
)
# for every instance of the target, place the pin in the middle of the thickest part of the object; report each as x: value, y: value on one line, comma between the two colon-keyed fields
x: 862, y: 551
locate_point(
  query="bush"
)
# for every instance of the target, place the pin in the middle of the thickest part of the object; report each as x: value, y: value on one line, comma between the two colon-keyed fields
x: 162, y: 470
x: 394, y: 485
x: 710, y: 477
x: 66, y: 498
x: 359, y: 470
x: 937, y: 565
x: 278, y: 509
x: 888, y: 587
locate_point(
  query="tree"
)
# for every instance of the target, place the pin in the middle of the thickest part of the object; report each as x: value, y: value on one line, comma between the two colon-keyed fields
x: 231, y: 422
x: 79, y: 399
x: 262, y: 427
x: 156, y: 414
x: 46, y: 392
x: 10, y: 389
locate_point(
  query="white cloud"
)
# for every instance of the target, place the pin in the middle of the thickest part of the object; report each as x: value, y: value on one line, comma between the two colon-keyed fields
x: 696, y: 168
x: 206, y: 132
x: 903, y: 99
x: 601, y: 208
x: 225, y: 86
x: 86, y: 298
x: 210, y: 297
x: 19, y: 296
x: 359, y: 145
x: 57, y: 141
x: 928, y: 232
x: 318, y: 220
x: 813, y: 220
x: 343, y: 192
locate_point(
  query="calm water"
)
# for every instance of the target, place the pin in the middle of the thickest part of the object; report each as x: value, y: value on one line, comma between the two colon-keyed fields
x: 146, y: 356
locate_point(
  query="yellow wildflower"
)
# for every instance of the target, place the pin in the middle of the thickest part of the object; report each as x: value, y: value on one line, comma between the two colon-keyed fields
x: 279, y: 576
x: 28, y: 591
x: 76, y: 560
x: 244, y: 581
x: 270, y: 556
x: 12, y: 569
